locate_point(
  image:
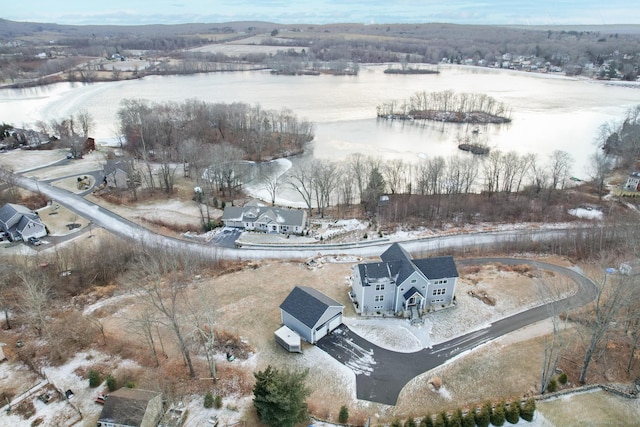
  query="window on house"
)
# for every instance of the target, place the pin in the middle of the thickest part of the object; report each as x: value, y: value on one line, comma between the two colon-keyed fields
x: 380, y: 287
x: 414, y: 280
x: 378, y: 298
x: 441, y: 291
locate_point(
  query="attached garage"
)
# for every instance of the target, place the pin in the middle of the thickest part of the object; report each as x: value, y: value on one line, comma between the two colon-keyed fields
x: 310, y: 313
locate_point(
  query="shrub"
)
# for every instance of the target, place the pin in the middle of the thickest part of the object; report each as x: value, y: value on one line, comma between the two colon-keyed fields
x: 94, y: 378
x: 410, y: 423
x: 365, y: 236
x: 528, y: 409
x: 513, y: 412
x: 455, y: 420
x: 396, y: 423
x: 427, y: 421
x: 441, y: 420
x: 130, y: 384
x: 562, y: 378
x: 208, y: 400
x: 111, y: 383
x: 343, y: 416
x: 217, y: 402
x: 552, y: 386
x: 498, y: 415
x: 483, y: 416
x: 468, y: 420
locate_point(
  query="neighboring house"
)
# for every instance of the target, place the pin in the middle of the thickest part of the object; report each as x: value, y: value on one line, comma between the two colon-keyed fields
x: 117, y: 174
x: 633, y: 182
x: 128, y: 407
x: 400, y: 284
x: 21, y: 223
x: 264, y: 218
x: 310, y: 313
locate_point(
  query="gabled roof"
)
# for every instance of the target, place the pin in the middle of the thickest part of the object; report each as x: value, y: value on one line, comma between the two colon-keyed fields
x: 399, y: 262
x: 411, y: 292
x: 264, y: 214
x: 11, y: 209
x: 126, y: 406
x: 307, y: 305
x: 113, y: 165
x: 437, y: 267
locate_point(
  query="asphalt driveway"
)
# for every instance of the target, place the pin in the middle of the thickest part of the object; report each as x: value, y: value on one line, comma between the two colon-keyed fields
x: 381, y: 374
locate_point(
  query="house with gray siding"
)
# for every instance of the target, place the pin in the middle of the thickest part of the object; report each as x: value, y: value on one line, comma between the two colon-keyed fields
x: 265, y: 218
x: 20, y: 222
x: 310, y: 313
x: 400, y: 284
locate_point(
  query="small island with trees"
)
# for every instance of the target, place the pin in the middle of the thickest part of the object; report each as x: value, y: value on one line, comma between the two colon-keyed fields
x: 447, y: 106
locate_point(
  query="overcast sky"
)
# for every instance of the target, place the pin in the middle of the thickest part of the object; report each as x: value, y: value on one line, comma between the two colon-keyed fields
x: 501, y: 12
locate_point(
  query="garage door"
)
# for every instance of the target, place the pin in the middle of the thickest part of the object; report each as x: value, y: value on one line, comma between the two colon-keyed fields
x: 335, y: 322
x: 320, y: 332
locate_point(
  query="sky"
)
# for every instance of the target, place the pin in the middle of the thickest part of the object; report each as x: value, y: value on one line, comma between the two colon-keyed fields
x: 484, y: 12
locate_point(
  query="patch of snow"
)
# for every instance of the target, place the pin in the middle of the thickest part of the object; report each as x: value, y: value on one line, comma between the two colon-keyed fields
x: 586, y: 213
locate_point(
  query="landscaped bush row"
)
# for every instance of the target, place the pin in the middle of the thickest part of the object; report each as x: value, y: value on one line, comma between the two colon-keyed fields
x: 483, y: 416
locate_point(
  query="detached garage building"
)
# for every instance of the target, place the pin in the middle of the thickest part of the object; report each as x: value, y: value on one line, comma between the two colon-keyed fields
x: 310, y: 313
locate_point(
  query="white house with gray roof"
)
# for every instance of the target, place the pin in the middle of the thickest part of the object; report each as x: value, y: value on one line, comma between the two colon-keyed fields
x: 310, y: 313
x: 399, y: 283
x: 265, y: 218
x: 20, y: 222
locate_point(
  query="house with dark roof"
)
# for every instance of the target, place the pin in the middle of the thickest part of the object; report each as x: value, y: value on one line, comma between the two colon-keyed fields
x: 20, y: 222
x: 128, y: 407
x: 401, y: 284
x: 117, y: 174
x: 310, y: 313
x: 265, y: 218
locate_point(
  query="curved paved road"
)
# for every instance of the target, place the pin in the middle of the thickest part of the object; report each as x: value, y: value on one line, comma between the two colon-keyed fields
x: 381, y: 374
x: 124, y: 228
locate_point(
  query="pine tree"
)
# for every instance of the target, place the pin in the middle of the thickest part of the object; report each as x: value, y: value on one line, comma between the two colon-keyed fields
x: 455, y: 420
x: 513, y: 412
x: 94, y: 378
x: 469, y: 420
x: 441, y: 420
x: 410, y: 423
x: 208, y: 400
x: 483, y: 416
x: 528, y: 409
x: 427, y: 421
x: 498, y: 416
x: 279, y: 397
x: 343, y: 416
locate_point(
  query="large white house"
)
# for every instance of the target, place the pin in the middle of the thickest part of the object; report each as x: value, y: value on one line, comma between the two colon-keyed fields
x: 265, y: 218
x: 20, y: 222
x: 400, y: 284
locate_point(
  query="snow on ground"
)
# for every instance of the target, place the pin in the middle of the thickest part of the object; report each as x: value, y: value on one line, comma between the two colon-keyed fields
x: 392, y: 333
x: 586, y: 213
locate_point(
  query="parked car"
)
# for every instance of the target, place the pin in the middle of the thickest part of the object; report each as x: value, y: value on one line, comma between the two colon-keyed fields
x: 35, y: 241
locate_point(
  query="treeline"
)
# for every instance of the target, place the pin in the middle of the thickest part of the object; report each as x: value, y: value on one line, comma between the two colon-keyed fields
x: 197, y: 133
x: 424, y: 104
x: 461, y: 187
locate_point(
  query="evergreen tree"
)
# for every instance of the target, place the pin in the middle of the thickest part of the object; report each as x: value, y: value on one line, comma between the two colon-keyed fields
x: 562, y: 378
x: 396, y: 423
x: 94, y: 378
x: 410, y: 423
x: 455, y: 420
x: 111, y: 383
x: 374, y: 189
x: 427, y: 421
x: 513, y: 412
x: 552, y: 386
x: 498, y: 415
x: 469, y: 419
x: 343, y: 416
x: 208, y: 400
x: 483, y: 416
x: 528, y: 409
x: 279, y: 397
x: 441, y: 420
